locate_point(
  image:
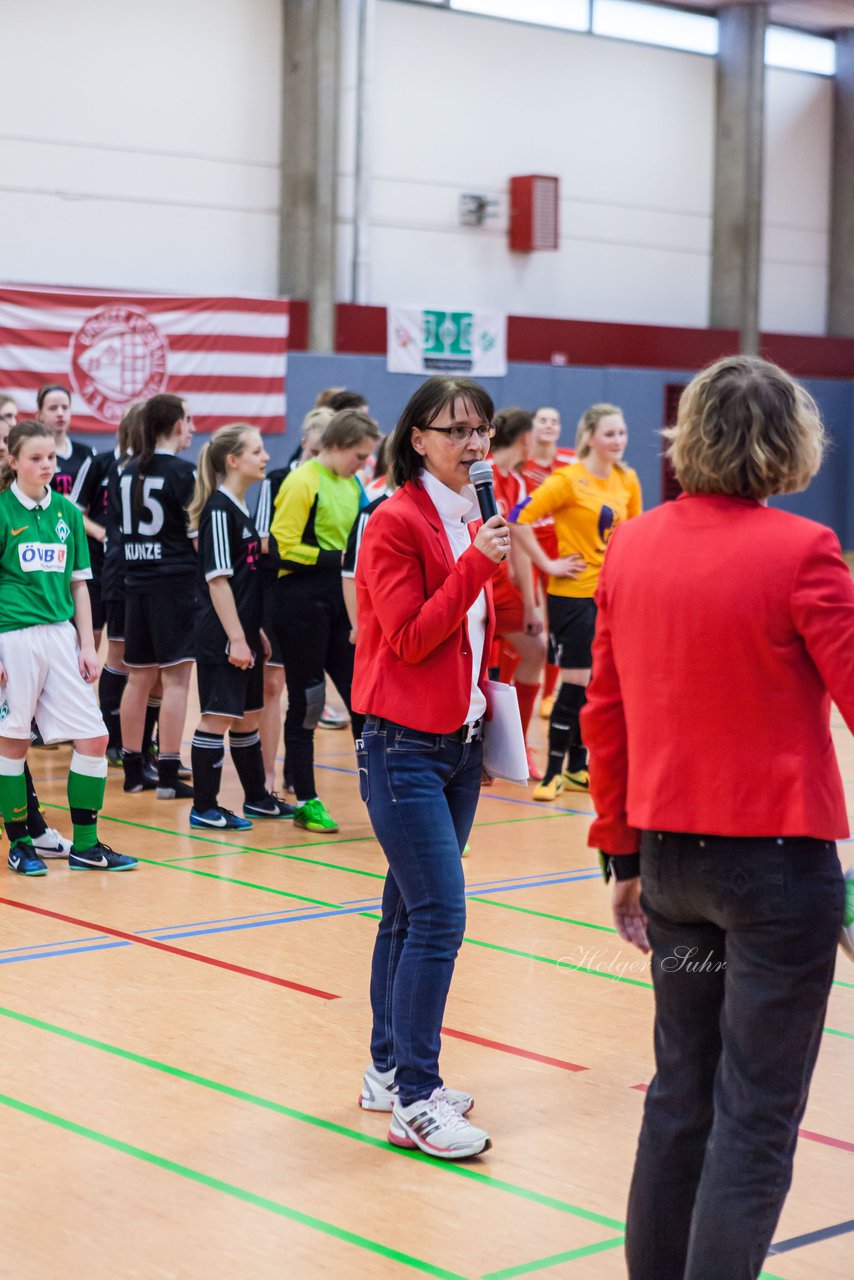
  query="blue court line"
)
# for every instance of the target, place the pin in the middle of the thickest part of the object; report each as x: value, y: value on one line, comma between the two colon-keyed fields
x: 169, y: 933
x: 812, y: 1237
x: 544, y: 877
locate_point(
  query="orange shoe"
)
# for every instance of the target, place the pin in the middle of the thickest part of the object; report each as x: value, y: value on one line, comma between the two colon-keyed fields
x: 547, y: 706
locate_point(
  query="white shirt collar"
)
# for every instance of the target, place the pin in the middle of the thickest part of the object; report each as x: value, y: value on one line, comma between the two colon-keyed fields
x: 30, y: 503
x: 69, y: 449
x: 242, y: 506
x: 453, y: 508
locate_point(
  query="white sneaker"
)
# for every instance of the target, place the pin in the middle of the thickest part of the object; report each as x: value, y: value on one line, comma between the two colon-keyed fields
x: 379, y: 1093
x: 436, y: 1128
x: 51, y: 844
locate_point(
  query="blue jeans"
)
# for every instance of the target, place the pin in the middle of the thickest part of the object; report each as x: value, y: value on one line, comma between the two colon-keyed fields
x: 743, y: 935
x: 421, y: 790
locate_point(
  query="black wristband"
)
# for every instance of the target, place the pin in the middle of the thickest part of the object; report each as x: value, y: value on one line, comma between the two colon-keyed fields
x: 622, y: 866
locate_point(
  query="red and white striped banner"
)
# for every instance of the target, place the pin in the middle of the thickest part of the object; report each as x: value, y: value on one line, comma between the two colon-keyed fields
x: 227, y: 357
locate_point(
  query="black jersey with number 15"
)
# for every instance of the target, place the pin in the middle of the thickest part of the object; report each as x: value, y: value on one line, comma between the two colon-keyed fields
x: 154, y: 519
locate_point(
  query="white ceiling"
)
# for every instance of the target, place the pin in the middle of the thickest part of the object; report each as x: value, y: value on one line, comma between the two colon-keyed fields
x: 821, y: 16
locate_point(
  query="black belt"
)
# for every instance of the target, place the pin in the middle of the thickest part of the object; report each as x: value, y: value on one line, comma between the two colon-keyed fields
x: 472, y: 732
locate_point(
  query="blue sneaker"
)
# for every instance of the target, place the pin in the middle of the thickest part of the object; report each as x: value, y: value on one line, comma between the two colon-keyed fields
x: 270, y: 807
x: 24, y: 859
x: 100, y: 858
x: 221, y: 819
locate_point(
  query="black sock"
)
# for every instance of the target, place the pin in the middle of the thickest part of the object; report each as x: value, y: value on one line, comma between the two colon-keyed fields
x: 167, y: 770
x: 36, y: 825
x: 152, y: 717
x: 577, y: 750
x: 563, y: 725
x: 245, y: 751
x: 206, y: 756
x: 110, y: 689
x: 132, y: 765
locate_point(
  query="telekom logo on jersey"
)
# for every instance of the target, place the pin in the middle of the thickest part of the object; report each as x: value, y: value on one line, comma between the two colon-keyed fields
x: 48, y: 557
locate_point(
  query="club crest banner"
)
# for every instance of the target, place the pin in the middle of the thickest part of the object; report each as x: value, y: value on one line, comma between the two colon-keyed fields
x: 473, y: 343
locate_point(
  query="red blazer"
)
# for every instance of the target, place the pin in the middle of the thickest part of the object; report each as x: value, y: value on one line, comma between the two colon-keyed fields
x: 724, y: 630
x: 413, y: 657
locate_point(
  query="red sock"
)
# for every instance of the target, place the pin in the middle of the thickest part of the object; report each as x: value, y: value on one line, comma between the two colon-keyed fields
x: 509, y: 662
x: 550, y: 679
x: 527, y: 695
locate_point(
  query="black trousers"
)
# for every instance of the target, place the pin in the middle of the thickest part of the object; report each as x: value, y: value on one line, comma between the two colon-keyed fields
x: 313, y: 631
x: 743, y: 935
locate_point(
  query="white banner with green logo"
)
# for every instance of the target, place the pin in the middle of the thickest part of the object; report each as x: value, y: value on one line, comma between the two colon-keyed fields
x: 473, y: 343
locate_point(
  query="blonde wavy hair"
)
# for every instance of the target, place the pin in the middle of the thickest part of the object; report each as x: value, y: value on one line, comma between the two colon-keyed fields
x: 587, y: 424
x: 747, y: 429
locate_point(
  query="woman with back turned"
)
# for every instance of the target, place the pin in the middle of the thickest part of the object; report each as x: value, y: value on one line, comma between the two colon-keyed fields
x: 724, y: 629
x: 425, y: 624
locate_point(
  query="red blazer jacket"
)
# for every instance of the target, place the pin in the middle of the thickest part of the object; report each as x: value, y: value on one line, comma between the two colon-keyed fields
x: 413, y: 657
x: 725, y: 628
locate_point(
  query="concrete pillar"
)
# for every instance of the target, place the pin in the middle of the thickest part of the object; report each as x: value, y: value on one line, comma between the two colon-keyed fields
x: 307, y: 257
x: 737, y: 225
x: 840, y: 295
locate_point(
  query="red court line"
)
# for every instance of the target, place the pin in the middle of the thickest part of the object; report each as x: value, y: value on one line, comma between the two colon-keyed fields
x: 175, y: 951
x: 511, y: 1048
x: 803, y: 1133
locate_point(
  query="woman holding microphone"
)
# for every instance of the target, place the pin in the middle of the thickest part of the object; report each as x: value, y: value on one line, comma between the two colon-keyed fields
x: 425, y: 627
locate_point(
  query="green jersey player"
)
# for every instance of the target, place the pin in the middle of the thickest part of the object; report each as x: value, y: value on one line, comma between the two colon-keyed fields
x: 47, y: 654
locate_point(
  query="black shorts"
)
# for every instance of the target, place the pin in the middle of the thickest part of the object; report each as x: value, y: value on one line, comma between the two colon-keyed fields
x: 159, y: 625
x: 96, y: 604
x: 572, y: 622
x: 225, y: 690
x: 115, y: 614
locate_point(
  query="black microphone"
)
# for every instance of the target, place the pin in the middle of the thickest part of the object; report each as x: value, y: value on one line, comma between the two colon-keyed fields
x: 480, y: 475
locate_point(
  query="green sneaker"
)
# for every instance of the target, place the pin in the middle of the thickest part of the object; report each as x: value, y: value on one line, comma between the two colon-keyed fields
x: 846, y: 937
x: 313, y: 816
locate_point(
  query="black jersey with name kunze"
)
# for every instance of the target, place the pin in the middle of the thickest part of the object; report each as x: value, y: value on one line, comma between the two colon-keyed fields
x: 229, y: 547
x: 155, y: 534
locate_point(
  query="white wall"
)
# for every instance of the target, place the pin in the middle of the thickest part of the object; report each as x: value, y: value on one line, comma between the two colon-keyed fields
x: 796, y: 223
x: 461, y: 103
x: 139, y: 144
x: 139, y: 149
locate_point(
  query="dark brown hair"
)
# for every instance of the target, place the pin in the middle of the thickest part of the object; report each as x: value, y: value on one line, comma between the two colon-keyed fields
x: 509, y: 425
x: 348, y: 427
x: 18, y: 436
x: 424, y: 407
x: 159, y: 415
x: 44, y: 392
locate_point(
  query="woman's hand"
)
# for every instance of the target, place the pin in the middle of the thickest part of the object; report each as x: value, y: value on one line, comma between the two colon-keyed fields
x: 88, y: 663
x: 493, y: 539
x: 628, y: 913
x: 567, y: 566
x: 240, y: 655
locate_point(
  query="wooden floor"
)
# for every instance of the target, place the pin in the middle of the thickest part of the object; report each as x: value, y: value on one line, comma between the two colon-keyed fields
x: 182, y: 1049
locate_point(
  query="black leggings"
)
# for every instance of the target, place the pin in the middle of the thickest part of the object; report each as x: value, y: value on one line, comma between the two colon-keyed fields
x: 313, y: 631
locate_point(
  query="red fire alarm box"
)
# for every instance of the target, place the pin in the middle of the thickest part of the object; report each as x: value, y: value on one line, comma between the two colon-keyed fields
x: 534, y: 213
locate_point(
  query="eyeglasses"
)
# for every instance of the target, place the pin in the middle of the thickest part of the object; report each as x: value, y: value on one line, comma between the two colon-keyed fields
x: 462, y: 435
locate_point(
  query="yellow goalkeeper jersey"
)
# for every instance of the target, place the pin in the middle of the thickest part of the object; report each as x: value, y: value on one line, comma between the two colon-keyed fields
x: 586, y: 510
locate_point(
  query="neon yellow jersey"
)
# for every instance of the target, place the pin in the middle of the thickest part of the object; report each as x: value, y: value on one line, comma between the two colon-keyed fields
x: 315, y: 511
x: 586, y: 511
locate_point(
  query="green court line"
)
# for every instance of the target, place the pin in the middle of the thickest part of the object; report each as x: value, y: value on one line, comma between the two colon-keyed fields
x: 544, y: 915
x: 533, y: 817
x: 229, y: 1189
x: 304, y: 1117
x: 245, y: 884
x: 554, y: 1260
x: 371, y: 915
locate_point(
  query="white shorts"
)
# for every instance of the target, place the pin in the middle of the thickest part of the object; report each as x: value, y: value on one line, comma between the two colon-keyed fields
x: 43, y: 682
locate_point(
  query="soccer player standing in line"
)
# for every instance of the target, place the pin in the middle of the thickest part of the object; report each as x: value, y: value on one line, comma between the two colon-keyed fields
x: 47, y: 653
x: 229, y: 639
x: 160, y: 577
